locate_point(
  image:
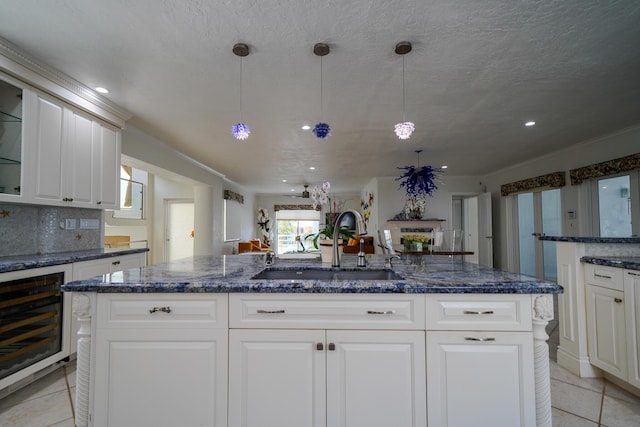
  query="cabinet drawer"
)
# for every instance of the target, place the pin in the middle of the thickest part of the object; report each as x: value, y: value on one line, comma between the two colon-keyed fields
x: 326, y: 311
x: 607, y: 277
x: 478, y: 312
x: 167, y: 311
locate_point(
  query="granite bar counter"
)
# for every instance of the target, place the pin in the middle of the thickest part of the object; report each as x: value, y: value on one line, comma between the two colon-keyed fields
x: 26, y: 262
x: 233, y: 273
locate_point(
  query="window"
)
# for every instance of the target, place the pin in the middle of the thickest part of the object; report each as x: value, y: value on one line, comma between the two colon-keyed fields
x: 292, y: 223
x: 615, y: 205
x: 131, y: 193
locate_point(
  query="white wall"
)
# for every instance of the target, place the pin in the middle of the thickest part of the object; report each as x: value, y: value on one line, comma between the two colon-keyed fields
x: 139, y: 145
x: 619, y: 144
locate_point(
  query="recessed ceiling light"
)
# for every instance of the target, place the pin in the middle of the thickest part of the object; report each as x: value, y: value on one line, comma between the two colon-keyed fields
x: 293, y: 189
x: 312, y: 168
x: 306, y: 127
x: 530, y: 123
x: 284, y: 180
x: 444, y: 166
x: 102, y: 89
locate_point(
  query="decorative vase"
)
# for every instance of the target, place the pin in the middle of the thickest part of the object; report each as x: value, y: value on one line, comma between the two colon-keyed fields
x: 326, y: 250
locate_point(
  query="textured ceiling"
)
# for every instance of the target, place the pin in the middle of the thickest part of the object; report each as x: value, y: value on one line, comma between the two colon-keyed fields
x: 477, y: 72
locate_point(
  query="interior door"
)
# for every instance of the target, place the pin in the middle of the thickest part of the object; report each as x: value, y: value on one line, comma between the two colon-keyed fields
x: 179, y: 231
x: 539, y: 213
x: 470, y: 239
x: 485, y: 230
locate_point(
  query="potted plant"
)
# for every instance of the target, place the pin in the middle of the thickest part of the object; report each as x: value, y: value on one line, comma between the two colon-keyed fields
x: 323, y: 239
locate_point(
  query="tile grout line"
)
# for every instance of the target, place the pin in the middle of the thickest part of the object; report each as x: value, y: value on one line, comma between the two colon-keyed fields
x: 604, y: 387
x: 66, y: 380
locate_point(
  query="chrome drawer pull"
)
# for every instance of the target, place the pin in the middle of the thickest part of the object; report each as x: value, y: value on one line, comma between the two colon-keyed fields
x: 262, y: 311
x: 479, y: 339
x: 633, y: 274
x: 381, y: 312
x: 477, y: 312
x: 161, y: 309
x: 602, y: 276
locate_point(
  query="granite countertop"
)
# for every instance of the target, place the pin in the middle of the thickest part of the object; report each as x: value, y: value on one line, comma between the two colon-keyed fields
x: 233, y: 273
x: 630, y: 263
x: 25, y: 262
x: 590, y: 239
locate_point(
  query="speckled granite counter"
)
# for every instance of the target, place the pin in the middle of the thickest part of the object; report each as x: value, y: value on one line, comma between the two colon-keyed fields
x: 25, y: 262
x: 630, y: 263
x: 232, y: 273
x: 590, y: 239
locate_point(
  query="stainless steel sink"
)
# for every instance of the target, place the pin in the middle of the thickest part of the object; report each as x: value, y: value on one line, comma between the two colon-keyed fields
x: 328, y: 275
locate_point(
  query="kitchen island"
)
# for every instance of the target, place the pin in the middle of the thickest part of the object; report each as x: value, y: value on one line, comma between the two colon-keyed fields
x: 199, y: 341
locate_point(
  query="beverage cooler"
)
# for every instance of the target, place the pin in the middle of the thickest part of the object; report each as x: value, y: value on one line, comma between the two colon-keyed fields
x: 34, y: 321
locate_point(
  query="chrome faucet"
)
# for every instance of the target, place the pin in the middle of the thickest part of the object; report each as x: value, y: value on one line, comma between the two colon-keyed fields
x: 269, y: 258
x: 361, y: 229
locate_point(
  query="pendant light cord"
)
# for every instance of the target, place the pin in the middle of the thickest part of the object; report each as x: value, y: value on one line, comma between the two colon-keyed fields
x: 403, y: 95
x: 241, y: 89
x: 321, y: 91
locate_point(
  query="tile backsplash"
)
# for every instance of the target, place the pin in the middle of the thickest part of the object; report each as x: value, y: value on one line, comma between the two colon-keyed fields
x: 27, y: 229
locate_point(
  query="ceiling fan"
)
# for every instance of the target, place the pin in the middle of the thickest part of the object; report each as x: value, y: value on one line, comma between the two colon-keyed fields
x: 304, y: 195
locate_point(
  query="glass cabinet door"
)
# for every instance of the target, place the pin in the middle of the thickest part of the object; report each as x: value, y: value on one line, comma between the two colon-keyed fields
x: 10, y: 138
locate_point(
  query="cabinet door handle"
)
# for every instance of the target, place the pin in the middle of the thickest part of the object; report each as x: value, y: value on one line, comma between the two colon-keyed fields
x: 332, y: 347
x: 633, y: 274
x: 479, y: 339
x: 115, y: 263
x: 263, y: 311
x: 319, y: 346
x: 98, y: 203
x: 381, y: 312
x: 160, y: 309
x: 602, y: 276
x: 477, y: 312
x: 617, y: 300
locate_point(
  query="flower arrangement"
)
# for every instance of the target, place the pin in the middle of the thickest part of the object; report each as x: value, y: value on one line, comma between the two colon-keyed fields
x: 320, y: 197
x: 416, y: 243
x: 419, y: 182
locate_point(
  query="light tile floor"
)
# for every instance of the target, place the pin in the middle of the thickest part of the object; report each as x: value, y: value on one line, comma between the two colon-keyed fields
x: 576, y: 402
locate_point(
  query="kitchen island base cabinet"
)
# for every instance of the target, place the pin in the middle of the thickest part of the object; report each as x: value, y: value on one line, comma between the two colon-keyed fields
x: 160, y: 361
x: 480, y: 379
x: 155, y: 378
x: 318, y: 378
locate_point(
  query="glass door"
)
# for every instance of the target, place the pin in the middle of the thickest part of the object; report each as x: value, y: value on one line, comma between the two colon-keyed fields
x: 10, y: 138
x: 539, y: 213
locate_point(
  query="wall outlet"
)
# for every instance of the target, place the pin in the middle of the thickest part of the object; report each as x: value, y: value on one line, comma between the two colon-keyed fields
x: 89, y: 224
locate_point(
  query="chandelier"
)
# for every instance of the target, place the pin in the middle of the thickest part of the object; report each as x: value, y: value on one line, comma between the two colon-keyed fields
x: 321, y: 130
x: 403, y: 129
x: 240, y: 130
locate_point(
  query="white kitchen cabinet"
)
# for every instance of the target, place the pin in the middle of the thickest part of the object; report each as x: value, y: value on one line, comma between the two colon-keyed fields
x: 77, y: 160
x: 632, y: 316
x: 107, y: 142
x: 480, y: 379
x: 326, y: 375
x: 376, y: 378
x: 76, y: 157
x: 98, y: 267
x: 45, y: 139
x: 480, y: 360
x: 326, y: 378
x: 606, y: 330
x: 161, y: 361
x: 277, y: 378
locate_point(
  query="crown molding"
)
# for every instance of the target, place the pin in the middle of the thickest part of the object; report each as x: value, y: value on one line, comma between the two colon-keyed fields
x: 26, y: 68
